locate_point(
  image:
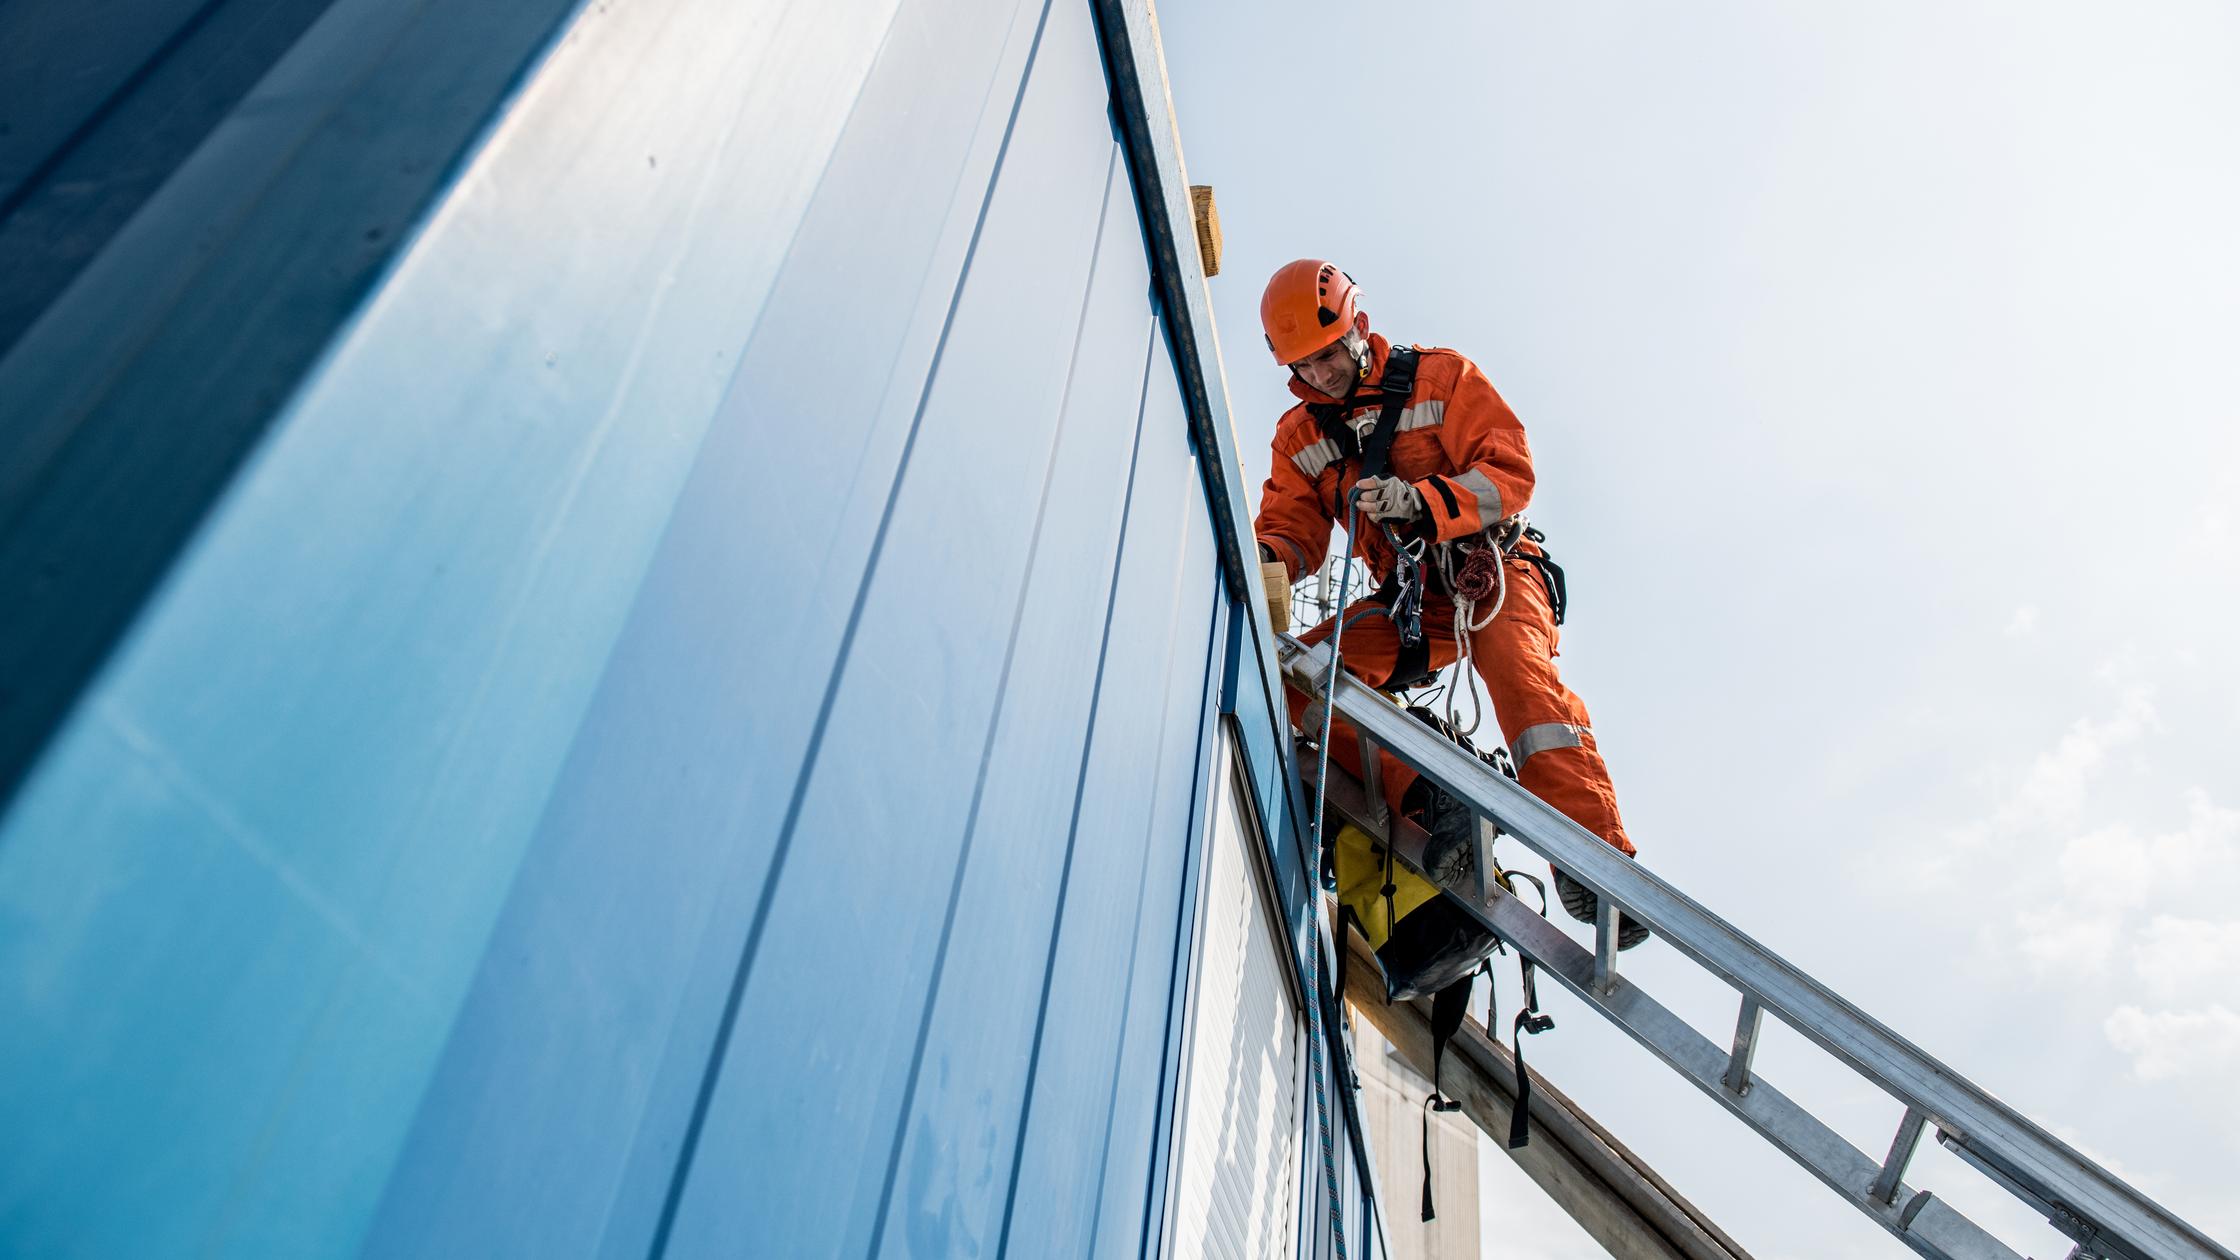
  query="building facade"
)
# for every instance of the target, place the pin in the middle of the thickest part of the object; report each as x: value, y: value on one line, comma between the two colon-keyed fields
x: 630, y: 634
x: 1393, y: 1114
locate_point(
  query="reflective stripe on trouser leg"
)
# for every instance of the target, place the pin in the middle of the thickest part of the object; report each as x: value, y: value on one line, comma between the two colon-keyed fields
x: 1541, y: 738
x: 1550, y: 735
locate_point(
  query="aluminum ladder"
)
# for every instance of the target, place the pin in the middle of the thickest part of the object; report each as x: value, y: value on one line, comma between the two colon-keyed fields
x: 2107, y: 1219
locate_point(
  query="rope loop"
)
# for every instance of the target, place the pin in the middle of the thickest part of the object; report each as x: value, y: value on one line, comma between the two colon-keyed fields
x: 1479, y: 576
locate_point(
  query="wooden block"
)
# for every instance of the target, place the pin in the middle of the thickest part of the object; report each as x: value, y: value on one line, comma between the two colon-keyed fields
x: 1209, y: 227
x: 1276, y: 581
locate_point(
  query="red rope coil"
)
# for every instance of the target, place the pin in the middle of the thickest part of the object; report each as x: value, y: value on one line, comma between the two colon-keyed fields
x: 1480, y: 575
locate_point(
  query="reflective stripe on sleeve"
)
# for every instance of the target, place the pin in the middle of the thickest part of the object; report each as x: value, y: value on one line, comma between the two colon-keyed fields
x: 1489, y: 495
x: 1541, y: 738
x: 1314, y: 459
x: 1424, y: 415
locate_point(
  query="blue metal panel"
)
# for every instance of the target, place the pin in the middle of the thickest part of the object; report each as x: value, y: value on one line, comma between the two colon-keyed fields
x: 1095, y: 1082
x: 61, y: 62
x: 620, y: 944
x: 1263, y: 740
x: 967, y: 1086
x: 1128, y: 30
x: 58, y: 207
x: 344, y: 719
x: 1144, y: 1082
x: 132, y: 402
x: 627, y: 764
x: 845, y: 939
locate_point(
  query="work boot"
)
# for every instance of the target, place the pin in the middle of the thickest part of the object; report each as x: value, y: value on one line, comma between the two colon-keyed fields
x: 1450, y: 857
x: 1583, y: 905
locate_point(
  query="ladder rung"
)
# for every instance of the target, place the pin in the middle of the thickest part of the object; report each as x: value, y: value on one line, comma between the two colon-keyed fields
x: 1885, y: 1188
x: 1746, y: 1022
x: 1484, y: 833
x: 1605, y: 946
x: 1372, y: 781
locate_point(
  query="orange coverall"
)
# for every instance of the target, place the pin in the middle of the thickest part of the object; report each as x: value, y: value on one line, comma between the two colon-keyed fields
x: 1463, y: 450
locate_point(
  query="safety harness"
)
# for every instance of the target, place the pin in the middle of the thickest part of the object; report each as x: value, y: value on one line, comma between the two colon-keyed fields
x: 1402, y: 593
x: 1470, y: 570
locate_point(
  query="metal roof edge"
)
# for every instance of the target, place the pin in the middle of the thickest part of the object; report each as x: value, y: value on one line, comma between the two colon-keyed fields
x: 1149, y: 133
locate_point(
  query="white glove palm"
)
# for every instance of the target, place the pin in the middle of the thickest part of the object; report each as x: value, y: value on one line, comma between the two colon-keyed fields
x: 1390, y: 499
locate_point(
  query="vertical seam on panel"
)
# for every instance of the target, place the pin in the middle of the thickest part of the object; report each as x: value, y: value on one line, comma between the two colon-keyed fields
x: 995, y: 724
x: 131, y: 83
x: 1143, y: 882
x: 1193, y: 871
x: 754, y: 329
x: 1080, y: 786
x: 689, y: 1147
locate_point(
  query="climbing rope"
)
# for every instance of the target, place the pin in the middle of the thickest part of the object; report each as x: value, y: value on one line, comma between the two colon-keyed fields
x: 1482, y: 574
x: 1337, y: 660
x: 1314, y: 965
x: 1321, y: 1099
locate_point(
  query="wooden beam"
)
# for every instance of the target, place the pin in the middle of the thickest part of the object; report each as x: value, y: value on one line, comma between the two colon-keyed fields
x: 1606, y: 1188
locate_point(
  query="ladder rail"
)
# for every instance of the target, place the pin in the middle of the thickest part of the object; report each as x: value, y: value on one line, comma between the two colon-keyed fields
x: 1929, y: 1226
x: 2122, y: 1221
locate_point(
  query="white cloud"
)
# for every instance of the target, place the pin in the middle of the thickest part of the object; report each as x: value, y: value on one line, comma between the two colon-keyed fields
x: 2052, y: 791
x: 2114, y: 892
x: 2023, y: 623
x: 2188, y: 959
x: 2069, y: 888
x: 2154, y: 909
x: 2165, y: 1045
x: 2000, y: 853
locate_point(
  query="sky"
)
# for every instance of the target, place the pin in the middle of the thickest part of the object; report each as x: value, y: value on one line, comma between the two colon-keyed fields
x: 1880, y: 364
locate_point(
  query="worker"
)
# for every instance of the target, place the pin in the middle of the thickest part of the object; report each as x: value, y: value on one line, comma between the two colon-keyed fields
x: 1435, y: 468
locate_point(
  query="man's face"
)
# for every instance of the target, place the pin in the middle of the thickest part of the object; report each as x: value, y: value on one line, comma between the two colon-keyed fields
x: 1330, y: 370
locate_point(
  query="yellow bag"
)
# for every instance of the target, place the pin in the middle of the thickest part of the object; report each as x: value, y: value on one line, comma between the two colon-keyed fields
x: 1423, y: 940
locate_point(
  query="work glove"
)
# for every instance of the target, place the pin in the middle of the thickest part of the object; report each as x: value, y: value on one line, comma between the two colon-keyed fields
x: 1390, y: 499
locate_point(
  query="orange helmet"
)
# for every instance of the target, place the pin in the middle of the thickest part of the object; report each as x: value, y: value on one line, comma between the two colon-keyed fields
x: 1308, y: 305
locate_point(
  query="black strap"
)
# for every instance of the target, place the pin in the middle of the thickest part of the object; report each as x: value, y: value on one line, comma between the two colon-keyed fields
x: 1393, y: 389
x: 1346, y: 917
x: 1391, y: 914
x: 1374, y: 455
x: 1493, y: 994
x: 1551, y: 574
x: 1529, y: 1020
x: 1447, y: 1008
x: 1398, y: 382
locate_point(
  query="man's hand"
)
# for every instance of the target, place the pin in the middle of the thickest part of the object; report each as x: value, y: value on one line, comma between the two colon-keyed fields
x: 1389, y: 499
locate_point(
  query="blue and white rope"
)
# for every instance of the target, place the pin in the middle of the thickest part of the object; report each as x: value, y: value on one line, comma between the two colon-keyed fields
x: 1314, y: 959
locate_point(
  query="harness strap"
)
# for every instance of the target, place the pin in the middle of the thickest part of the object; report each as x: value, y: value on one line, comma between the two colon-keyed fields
x: 1447, y: 1008
x: 1374, y: 456
x: 1551, y: 573
x: 1529, y: 1020
x: 1393, y: 389
x: 1398, y: 382
x: 1346, y: 918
